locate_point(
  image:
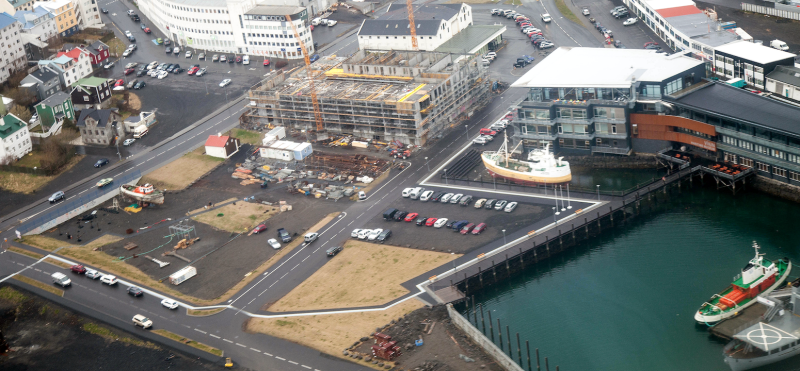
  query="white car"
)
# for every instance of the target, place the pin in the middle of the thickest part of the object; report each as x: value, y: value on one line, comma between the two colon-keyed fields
x: 546, y: 18
x: 188, y: 54
x: 407, y: 192
x: 479, y: 140
x: 153, y: 73
x: 128, y: 142
x: 374, y: 234
x: 493, y: 55
x: 440, y: 223
x: 355, y: 233
x: 169, y: 303
x: 479, y: 203
x: 488, y: 138
x: 128, y: 34
x: 630, y: 21
x: 224, y: 83
x: 200, y: 72
x: 456, y: 198
x: 364, y: 233
x: 108, y: 279
x: 93, y: 274
x: 162, y: 74
x: 108, y: 65
x: 274, y: 243
x: 176, y: 50
x: 510, y: 207
x: 585, y: 11
x: 426, y: 196
x: 446, y: 198
x: 127, y: 52
x: 140, y: 320
x: 332, y: 23
x: 152, y: 65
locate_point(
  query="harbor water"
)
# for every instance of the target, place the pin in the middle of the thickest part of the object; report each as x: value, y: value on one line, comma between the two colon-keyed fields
x: 625, y: 300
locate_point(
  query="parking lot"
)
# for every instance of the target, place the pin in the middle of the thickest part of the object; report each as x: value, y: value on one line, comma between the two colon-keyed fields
x: 408, y: 234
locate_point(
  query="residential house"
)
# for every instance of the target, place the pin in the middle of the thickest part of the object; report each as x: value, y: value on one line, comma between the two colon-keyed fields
x: 16, y: 140
x: 143, y: 118
x: 785, y: 81
x: 55, y: 109
x: 100, y: 126
x: 13, y: 57
x: 91, y: 92
x: 71, y: 66
x: 38, y: 26
x: 66, y: 16
x: 98, y: 52
x: 43, y: 82
x: 222, y: 146
x: 436, y: 24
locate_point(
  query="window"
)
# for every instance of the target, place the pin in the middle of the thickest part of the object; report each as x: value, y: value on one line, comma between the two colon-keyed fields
x: 673, y: 86
x: 746, y: 161
x: 762, y: 166
x: 609, y: 112
x: 794, y: 176
x: 779, y: 172
x: 537, y: 114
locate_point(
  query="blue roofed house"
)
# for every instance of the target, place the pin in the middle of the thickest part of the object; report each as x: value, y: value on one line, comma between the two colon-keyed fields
x: 13, y: 57
x: 38, y: 26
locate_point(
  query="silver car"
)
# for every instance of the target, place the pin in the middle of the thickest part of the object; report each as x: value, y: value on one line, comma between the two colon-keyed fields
x: 500, y: 205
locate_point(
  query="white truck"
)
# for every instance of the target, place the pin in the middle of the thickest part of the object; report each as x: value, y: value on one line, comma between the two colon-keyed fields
x: 780, y: 45
x: 140, y: 131
x: 61, y: 279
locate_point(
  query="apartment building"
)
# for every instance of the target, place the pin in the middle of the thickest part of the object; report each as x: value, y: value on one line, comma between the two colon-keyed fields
x: 38, y: 26
x: 65, y: 14
x: 72, y: 66
x: 13, y: 56
x: 100, y: 126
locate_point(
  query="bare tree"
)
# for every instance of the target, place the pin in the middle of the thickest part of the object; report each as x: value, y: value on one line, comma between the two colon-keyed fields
x: 22, y: 112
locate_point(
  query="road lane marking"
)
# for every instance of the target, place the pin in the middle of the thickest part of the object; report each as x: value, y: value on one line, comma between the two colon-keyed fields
x: 214, y: 336
x: 241, y: 345
x: 256, y: 350
x: 293, y: 362
x: 268, y: 354
x: 282, y: 359
x: 197, y: 330
x: 284, y: 275
x: 304, y: 366
x: 298, y: 264
x: 227, y: 341
x: 306, y: 258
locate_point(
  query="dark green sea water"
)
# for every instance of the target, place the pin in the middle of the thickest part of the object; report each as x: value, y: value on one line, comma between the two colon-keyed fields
x: 625, y: 301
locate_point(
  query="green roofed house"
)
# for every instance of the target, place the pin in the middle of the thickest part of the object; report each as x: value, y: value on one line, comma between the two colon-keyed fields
x: 91, y: 92
x: 53, y: 110
x: 16, y: 140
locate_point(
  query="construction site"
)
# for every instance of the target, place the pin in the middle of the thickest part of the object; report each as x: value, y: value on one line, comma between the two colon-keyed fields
x: 408, y: 97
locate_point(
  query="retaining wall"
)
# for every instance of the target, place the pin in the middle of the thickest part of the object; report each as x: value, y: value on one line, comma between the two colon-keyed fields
x: 477, y: 337
x: 639, y: 161
x: 776, y: 188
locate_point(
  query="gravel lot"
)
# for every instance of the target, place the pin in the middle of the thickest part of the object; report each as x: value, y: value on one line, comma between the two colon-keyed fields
x: 408, y: 234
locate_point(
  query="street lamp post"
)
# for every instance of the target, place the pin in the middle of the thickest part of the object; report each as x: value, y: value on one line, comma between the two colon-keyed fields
x: 427, y: 164
x: 554, y: 216
x: 569, y: 203
x: 466, y: 129
x: 598, y: 191
x: 561, y: 190
x: 204, y: 80
x: 445, y: 176
x: 504, y: 237
x: 555, y: 193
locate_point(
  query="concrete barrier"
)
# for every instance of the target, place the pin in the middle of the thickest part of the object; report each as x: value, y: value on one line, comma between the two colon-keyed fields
x: 502, y: 359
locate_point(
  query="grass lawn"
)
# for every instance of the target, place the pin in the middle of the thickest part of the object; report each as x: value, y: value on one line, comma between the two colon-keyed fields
x: 336, y: 284
x: 12, y: 296
x: 28, y: 183
x: 567, y: 13
x: 241, y: 217
x: 247, y: 136
x: 513, y: 2
x: 38, y: 284
x: 25, y: 252
x: 30, y: 160
x: 179, y: 173
x: 110, y: 335
x: 189, y: 342
x: 204, y: 312
x: 330, y: 333
x: 119, y: 44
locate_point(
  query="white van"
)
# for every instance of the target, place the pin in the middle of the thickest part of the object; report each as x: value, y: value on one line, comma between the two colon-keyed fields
x: 316, y: 21
x: 426, y: 195
x: 140, y: 131
x: 414, y: 194
x: 61, y: 279
x: 246, y: 59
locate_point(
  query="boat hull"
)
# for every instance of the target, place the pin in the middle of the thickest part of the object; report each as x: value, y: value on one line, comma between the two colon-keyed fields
x: 709, y: 319
x: 741, y: 364
x: 153, y: 198
x: 528, y: 178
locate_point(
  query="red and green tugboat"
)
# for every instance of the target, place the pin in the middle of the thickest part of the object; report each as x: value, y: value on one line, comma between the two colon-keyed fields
x: 758, y: 278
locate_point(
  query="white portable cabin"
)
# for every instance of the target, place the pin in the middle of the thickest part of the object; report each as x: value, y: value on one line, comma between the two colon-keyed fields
x: 182, y: 275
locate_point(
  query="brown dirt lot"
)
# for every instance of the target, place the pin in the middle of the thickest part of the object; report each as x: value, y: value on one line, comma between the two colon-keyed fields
x: 238, y: 216
x: 179, y: 173
x: 330, y: 333
x: 382, y: 265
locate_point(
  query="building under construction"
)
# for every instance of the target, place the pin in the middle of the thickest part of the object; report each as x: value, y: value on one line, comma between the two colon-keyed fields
x: 406, y: 96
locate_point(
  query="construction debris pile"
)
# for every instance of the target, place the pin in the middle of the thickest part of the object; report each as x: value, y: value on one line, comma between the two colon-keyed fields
x: 347, y: 165
x: 385, y: 347
x: 395, y: 148
x: 321, y: 190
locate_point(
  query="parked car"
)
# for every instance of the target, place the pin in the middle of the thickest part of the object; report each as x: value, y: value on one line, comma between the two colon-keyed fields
x: 169, y: 303
x: 466, y: 200
x: 450, y: 223
x: 147, y: 30
x: 176, y: 50
x: 456, y: 198
x: 128, y: 142
x: 355, y: 232
x: 364, y: 233
x: 132, y: 82
x: 437, y: 197
x: 446, y: 198
x: 188, y: 54
x: 135, y: 291
x: 223, y: 58
x: 313, y: 58
x: 333, y: 250
x: 139, y: 85
x: 101, y: 162
x: 231, y: 58
x: 384, y: 235
x: 411, y: 217
x: 479, y: 203
x: 510, y: 207
x: 215, y: 58
x: 440, y: 222
x: 104, y: 10
x: 162, y: 75
x: 266, y: 62
x: 238, y: 59
x: 140, y: 320
x: 274, y: 243
x: 284, y: 235
x: 630, y: 21
x: 127, y: 52
x: 500, y: 205
x: 108, y: 65
x: 374, y: 234
x: 489, y: 203
x: 459, y: 224
x: 201, y: 56
x: 79, y: 269
x: 108, y: 279
x: 200, y: 72
x: 426, y: 195
x: 192, y: 71
x: 260, y: 228
x: 119, y: 83
x: 400, y: 215
x: 93, y: 274
x: 467, y: 228
x: 480, y: 140
x: 167, y: 42
x: 224, y: 83
x: 430, y: 222
x: 479, y: 228
x: 420, y: 221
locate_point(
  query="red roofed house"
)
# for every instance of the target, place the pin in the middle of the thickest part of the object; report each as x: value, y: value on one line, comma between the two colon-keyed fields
x: 98, y: 52
x: 222, y: 146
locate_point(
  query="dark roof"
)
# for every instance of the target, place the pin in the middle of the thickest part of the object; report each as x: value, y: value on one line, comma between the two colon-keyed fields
x: 44, y: 74
x: 399, y: 11
x: 101, y: 115
x: 98, y: 45
x: 741, y: 104
x: 786, y: 74
x: 397, y: 28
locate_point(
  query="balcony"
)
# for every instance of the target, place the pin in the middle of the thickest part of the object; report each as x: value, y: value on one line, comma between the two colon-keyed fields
x: 534, y: 121
x: 586, y: 121
x: 608, y: 120
x: 538, y: 136
x: 586, y: 136
x: 611, y: 150
x: 611, y: 135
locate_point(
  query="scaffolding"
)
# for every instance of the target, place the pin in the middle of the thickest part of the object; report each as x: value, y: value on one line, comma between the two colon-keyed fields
x: 183, y: 230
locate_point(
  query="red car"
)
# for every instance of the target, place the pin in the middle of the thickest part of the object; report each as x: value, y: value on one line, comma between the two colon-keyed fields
x: 260, y: 228
x: 467, y: 228
x: 130, y: 71
x: 486, y: 131
x: 509, y: 116
x: 411, y: 217
x: 120, y: 82
x: 525, y: 24
x: 266, y: 62
x: 479, y: 228
x: 193, y: 70
x: 79, y: 269
x: 430, y: 222
x: 650, y: 43
x: 147, y: 30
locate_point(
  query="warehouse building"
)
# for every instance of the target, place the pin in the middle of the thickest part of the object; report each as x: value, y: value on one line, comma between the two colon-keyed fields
x: 406, y: 96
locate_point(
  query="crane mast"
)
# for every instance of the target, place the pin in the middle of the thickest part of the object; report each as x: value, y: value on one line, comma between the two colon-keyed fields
x: 412, y: 26
x: 314, y: 102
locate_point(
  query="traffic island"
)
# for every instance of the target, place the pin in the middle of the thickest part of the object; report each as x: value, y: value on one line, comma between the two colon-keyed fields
x: 189, y: 342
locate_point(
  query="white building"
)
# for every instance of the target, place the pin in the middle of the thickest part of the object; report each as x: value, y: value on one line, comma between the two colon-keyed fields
x: 71, y: 66
x: 234, y: 26
x: 88, y: 13
x: 435, y: 25
x: 39, y: 22
x: 13, y: 57
x: 15, y: 137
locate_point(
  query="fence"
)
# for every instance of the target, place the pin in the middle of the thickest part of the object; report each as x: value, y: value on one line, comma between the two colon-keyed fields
x: 789, y: 14
x: 72, y: 207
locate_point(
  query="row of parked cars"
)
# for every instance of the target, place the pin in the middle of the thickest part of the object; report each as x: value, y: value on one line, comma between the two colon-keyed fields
x: 378, y: 234
x: 453, y: 198
x: 486, y: 135
x: 462, y: 226
x: 526, y: 26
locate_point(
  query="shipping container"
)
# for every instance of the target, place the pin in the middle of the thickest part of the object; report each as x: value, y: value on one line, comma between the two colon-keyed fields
x: 302, y: 151
x: 182, y: 275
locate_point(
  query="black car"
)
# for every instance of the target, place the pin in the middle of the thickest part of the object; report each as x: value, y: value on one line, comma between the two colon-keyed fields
x: 104, y: 10
x: 489, y: 204
x: 437, y: 197
x: 400, y: 215
x: 333, y: 250
x: 166, y: 42
x: 421, y: 220
x: 384, y: 235
x: 450, y: 223
x: 168, y: 50
x: 141, y: 73
x: 171, y: 67
x: 135, y: 18
x: 135, y: 291
x: 143, y: 26
x: 139, y: 85
x: 520, y: 63
x: 285, y: 236
x: 178, y: 70
x: 101, y: 162
x: 231, y: 59
x: 131, y: 38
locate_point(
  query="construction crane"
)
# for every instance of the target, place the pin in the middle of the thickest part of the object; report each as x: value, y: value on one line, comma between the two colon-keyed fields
x: 314, y: 102
x: 411, y: 25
